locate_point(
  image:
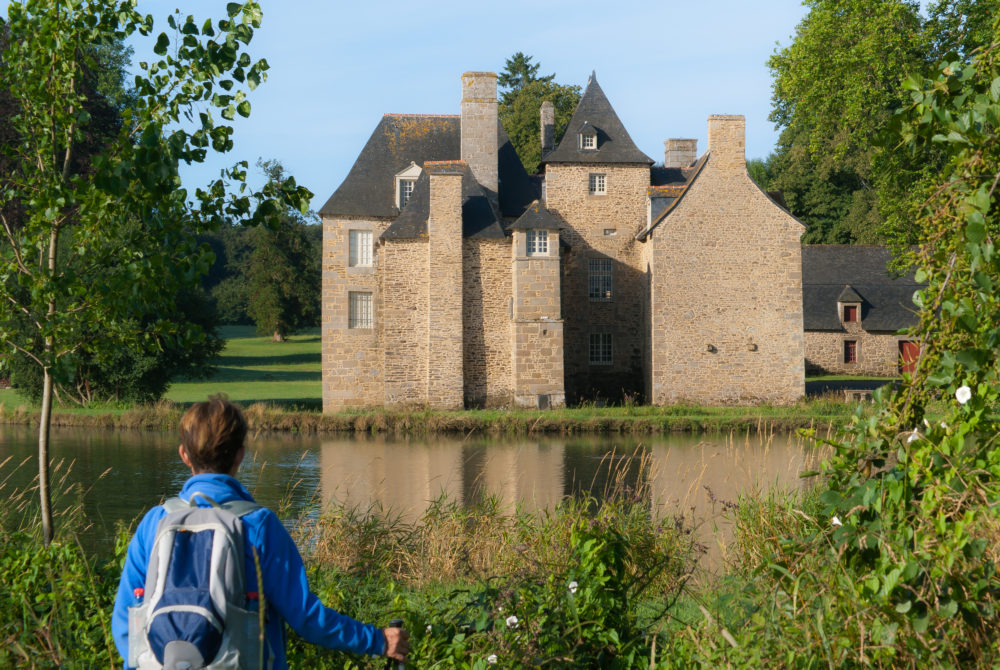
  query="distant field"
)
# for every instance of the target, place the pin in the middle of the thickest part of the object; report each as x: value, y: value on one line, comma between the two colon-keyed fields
x: 251, y: 369
x: 255, y: 369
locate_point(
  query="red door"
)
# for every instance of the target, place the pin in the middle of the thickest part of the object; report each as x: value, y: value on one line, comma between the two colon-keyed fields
x: 908, y: 353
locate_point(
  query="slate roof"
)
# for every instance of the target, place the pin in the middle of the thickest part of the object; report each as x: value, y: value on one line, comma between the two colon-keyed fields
x: 613, y: 142
x: 828, y: 269
x: 398, y: 140
x: 535, y: 217
x: 479, y: 218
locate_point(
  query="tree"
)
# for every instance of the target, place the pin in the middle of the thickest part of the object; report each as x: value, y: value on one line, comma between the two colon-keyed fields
x: 835, y: 87
x: 283, y: 272
x: 125, y: 226
x: 518, y: 72
x: 521, y: 102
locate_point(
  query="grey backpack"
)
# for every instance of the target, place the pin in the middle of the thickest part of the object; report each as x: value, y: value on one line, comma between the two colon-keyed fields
x: 196, y: 612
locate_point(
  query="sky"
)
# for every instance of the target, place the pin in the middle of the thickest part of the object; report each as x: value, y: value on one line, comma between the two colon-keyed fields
x: 337, y: 67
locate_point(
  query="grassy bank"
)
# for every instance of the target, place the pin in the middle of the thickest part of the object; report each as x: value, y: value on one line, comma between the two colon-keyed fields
x: 279, y: 384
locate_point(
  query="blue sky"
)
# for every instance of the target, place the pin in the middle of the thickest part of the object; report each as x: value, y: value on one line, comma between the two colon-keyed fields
x: 336, y: 67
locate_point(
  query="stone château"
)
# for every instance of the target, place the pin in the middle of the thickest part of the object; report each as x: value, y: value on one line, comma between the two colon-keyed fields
x: 451, y: 278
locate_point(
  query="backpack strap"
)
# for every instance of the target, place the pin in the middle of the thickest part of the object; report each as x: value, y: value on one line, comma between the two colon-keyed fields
x: 238, y: 507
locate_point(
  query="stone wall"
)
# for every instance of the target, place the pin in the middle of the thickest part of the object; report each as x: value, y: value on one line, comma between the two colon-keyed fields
x: 406, y: 285
x: 726, y: 323
x: 537, y: 325
x: 445, y: 381
x: 351, y: 357
x: 601, y: 227
x: 486, y: 322
x: 878, y: 352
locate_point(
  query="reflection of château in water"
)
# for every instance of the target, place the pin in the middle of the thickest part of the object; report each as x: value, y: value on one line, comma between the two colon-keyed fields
x: 537, y: 473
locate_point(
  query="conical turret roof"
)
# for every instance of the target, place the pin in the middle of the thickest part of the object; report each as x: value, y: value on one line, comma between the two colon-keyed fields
x: 594, y: 112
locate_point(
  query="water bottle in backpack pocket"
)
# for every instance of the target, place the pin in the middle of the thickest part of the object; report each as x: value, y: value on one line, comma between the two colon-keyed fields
x: 196, y: 612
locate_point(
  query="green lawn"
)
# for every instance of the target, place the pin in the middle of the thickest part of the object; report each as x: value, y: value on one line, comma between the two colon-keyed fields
x: 254, y: 369
x: 251, y: 369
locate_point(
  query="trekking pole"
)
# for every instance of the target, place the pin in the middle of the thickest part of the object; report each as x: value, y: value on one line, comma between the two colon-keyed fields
x: 391, y: 663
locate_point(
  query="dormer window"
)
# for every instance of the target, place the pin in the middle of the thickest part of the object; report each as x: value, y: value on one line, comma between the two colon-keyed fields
x: 405, y: 182
x: 588, y: 137
x: 850, y: 313
x: 405, y: 191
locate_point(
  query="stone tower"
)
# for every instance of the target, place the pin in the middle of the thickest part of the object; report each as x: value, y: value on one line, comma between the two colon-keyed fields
x: 479, y: 127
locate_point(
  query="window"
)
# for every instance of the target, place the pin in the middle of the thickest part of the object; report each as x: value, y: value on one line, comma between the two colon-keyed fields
x: 538, y: 243
x: 850, y: 351
x: 600, y: 280
x: 610, y: 232
x: 850, y: 313
x: 601, y: 349
x: 588, y: 141
x: 359, y: 310
x: 361, y: 248
x: 405, y: 191
x: 598, y: 184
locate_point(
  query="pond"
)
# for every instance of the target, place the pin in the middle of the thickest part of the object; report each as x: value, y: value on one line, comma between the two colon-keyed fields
x: 123, y: 473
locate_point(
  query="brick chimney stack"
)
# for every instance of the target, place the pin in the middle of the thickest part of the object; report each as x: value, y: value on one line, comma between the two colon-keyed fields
x: 479, y: 127
x: 727, y: 140
x: 548, y: 126
x: 679, y: 153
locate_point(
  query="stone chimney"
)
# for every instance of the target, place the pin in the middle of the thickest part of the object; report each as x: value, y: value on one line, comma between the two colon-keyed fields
x: 679, y: 153
x: 445, y: 382
x: 548, y: 126
x: 479, y: 127
x: 727, y: 140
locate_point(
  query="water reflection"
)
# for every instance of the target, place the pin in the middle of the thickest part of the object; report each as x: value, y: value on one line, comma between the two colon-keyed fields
x: 683, y: 473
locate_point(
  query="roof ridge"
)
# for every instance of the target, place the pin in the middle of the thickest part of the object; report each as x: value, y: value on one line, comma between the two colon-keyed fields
x: 432, y: 116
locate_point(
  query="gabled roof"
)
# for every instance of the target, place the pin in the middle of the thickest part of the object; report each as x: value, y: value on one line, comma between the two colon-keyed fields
x: 613, y: 142
x: 848, y: 295
x: 535, y: 217
x: 398, y: 140
x: 886, y: 301
x: 479, y: 218
x: 665, y: 198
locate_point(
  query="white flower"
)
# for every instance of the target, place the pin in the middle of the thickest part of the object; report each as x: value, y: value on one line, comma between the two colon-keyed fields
x: 914, y: 436
x: 835, y: 521
x: 428, y: 628
x: 927, y: 424
x: 963, y: 394
x: 944, y: 426
x: 492, y: 658
x: 500, y: 609
x: 573, y: 587
x: 512, y: 621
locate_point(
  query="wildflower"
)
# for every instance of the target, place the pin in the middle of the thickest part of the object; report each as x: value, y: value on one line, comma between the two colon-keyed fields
x: 491, y: 659
x: 512, y: 621
x: 835, y: 521
x: 914, y: 436
x: 428, y: 628
x: 944, y: 426
x: 963, y: 394
x: 573, y: 587
x: 927, y: 424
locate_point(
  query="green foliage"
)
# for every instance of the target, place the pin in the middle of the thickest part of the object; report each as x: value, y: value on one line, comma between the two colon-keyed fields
x: 283, y: 273
x: 835, y: 87
x: 521, y: 103
x: 895, y: 561
x: 125, y: 218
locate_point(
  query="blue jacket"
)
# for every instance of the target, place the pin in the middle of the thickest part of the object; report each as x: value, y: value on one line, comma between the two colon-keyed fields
x: 286, y: 589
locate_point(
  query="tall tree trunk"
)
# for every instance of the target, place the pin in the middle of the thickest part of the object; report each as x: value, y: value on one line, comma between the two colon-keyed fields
x: 45, y: 420
x: 43, y: 457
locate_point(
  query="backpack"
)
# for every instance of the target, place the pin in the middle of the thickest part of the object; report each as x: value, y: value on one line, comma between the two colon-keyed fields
x: 196, y: 612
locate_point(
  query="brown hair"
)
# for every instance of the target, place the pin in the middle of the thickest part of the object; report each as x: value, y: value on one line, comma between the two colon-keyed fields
x: 211, y: 434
